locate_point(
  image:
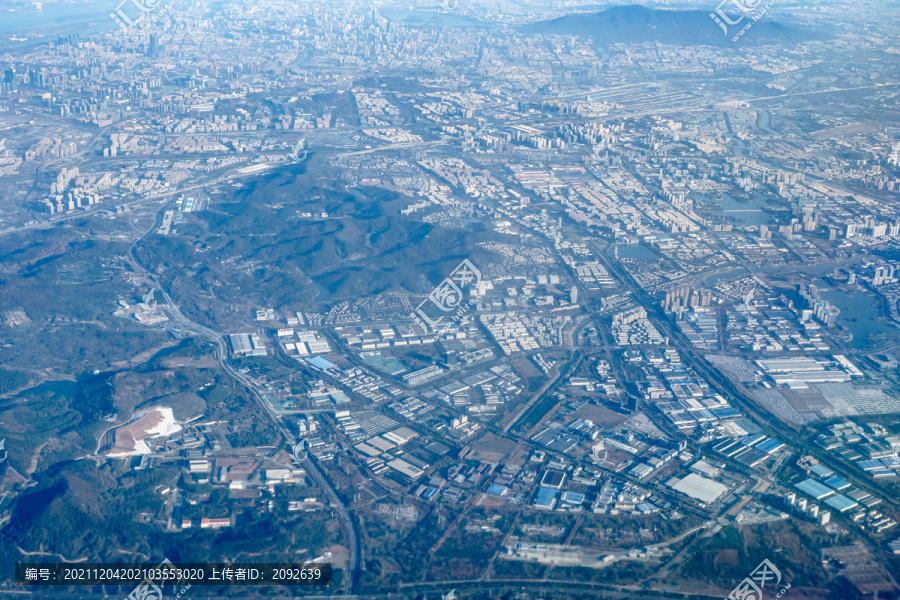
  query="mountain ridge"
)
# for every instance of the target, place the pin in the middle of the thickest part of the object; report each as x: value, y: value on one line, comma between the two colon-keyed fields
x: 640, y: 24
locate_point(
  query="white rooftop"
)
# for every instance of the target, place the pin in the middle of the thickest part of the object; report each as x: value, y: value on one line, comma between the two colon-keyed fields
x: 698, y: 487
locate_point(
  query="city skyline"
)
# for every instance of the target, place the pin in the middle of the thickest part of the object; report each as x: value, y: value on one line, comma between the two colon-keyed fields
x: 451, y: 299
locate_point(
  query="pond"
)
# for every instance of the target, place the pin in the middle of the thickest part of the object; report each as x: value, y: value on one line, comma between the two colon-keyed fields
x: 748, y: 213
x: 636, y: 251
x: 859, y: 314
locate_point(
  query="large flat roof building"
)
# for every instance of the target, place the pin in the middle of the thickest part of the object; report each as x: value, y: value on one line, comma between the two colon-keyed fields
x: 783, y: 365
x: 249, y: 344
x: 813, y: 488
x: 698, y: 487
x: 422, y: 375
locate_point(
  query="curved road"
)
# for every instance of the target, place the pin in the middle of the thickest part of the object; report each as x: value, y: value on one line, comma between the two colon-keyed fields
x: 218, y: 338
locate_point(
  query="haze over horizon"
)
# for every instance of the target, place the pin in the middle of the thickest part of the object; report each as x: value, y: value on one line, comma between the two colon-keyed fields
x: 452, y: 299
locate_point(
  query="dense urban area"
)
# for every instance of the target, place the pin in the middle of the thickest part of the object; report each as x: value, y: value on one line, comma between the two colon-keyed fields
x: 465, y: 299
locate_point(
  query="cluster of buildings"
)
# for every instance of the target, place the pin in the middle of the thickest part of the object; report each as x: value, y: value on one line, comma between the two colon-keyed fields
x: 147, y: 312
x: 515, y: 332
x: 574, y: 191
x: 839, y: 495
x: 632, y: 328
x: 302, y: 343
x: 871, y: 447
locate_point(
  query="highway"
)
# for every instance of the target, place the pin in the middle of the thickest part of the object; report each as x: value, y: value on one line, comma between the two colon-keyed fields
x: 741, y: 398
x: 536, y: 588
x: 218, y: 338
